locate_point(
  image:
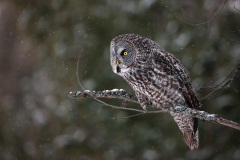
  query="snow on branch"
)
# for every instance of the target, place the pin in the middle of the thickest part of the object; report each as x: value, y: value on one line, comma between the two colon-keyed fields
x: 128, y: 97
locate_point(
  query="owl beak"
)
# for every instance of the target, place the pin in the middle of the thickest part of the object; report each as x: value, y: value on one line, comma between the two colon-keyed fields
x: 117, y: 62
x: 117, y: 69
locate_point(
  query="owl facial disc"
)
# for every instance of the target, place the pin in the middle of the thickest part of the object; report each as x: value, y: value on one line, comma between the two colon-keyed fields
x: 122, y: 56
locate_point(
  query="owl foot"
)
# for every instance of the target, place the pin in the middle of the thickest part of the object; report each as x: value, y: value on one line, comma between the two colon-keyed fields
x: 144, y: 105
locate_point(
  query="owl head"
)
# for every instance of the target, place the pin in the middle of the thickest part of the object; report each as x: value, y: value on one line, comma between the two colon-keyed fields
x: 127, y: 50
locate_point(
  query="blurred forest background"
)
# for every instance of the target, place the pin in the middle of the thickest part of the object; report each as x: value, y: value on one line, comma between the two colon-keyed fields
x: 40, y: 41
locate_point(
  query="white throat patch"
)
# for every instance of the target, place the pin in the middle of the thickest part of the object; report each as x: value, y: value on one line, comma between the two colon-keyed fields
x: 125, y: 70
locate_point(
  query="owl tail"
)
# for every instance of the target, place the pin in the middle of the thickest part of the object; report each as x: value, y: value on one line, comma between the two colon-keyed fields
x: 189, y: 128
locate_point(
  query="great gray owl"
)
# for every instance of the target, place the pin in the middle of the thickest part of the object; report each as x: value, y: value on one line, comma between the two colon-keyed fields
x: 158, y: 77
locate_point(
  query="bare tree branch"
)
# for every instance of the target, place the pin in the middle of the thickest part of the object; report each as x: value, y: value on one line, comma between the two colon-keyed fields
x: 236, y: 8
x: 123, y: 95
x: 207, y: 22
x: 219, y: 87
x: 115, y: 93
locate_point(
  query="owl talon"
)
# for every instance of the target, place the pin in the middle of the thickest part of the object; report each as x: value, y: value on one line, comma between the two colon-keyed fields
x: 144, y: 107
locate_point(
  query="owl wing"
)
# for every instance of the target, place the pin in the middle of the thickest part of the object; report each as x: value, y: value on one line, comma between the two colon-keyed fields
x: 172, y: 66
x: 167, y: 63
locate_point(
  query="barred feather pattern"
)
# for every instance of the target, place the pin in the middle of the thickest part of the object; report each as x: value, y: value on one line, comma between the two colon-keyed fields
x: 158, y: 77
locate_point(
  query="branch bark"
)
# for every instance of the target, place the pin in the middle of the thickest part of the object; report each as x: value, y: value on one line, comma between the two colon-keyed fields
x: 123, y: 95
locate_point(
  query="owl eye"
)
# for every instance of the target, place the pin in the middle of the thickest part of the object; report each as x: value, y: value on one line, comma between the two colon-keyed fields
x: 124, y: 53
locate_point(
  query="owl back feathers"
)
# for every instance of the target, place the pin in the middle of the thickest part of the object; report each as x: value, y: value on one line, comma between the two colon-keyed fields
x: 187, y: 124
